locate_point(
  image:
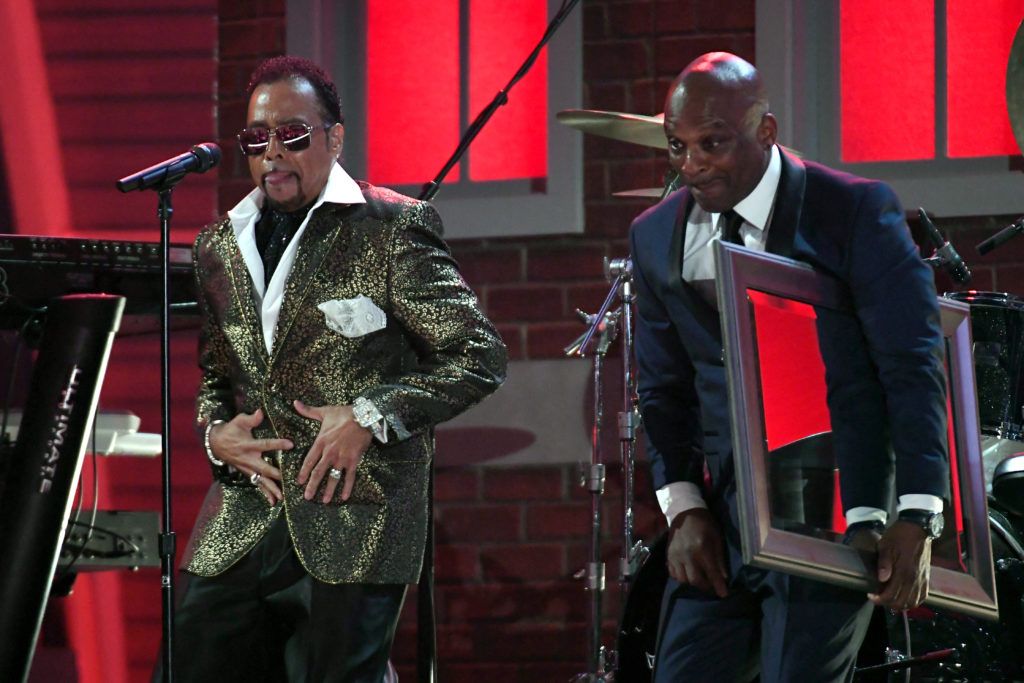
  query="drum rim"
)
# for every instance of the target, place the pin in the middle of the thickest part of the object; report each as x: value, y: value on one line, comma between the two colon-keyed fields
x: 977, y: 297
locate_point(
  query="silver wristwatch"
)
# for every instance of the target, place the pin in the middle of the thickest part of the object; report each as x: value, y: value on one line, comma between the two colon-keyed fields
x: 366, y: 414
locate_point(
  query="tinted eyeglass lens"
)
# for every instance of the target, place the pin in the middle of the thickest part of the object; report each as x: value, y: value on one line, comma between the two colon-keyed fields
x: 294, y: 137
x: 254, y: 140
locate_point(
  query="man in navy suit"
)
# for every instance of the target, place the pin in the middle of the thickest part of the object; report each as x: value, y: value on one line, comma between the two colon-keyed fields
x: 886, y: 387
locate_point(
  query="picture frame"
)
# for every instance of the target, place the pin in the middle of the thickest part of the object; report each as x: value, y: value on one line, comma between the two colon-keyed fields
x: 758, y: 292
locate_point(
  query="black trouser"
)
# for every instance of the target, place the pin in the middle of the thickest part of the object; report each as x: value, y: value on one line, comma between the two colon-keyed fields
x: 267, y: 619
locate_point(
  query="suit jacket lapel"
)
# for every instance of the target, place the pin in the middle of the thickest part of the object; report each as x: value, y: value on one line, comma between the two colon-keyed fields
x: 246, y: 299
x: 789, y: 201
x: 675, y: 252
x: 703, y: 310
x: 317, y: 241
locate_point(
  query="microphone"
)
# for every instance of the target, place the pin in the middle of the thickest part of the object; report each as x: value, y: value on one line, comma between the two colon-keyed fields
x: 200, y: 159
x: 945, y: 255
x: 1004, y: 235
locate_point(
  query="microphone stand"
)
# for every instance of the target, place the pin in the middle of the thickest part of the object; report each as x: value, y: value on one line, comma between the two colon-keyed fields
x: 633, y: 554
x: 426, y: 623
x: 166, y: 544
x: 167, y: 539
x: 604, y: 325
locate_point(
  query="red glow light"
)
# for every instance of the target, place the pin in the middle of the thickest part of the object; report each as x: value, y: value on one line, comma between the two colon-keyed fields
x: 514, y: 144
x: 887, y: 80
x: 412, y: 77
x: 979, y: 37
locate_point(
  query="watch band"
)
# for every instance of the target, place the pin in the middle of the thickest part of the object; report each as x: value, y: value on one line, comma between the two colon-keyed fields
x: 875, y: 525
x: 931, y: 522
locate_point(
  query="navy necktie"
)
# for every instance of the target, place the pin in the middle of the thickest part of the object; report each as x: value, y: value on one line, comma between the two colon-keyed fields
x: 731, y: 222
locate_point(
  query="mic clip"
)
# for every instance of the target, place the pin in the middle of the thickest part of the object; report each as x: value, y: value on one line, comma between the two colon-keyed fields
x: 944, y: 256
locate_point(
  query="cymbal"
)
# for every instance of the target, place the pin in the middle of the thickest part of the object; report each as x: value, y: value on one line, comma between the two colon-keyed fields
x: 643, y: 192
x: 637, y: 129
x: 1015, y: 87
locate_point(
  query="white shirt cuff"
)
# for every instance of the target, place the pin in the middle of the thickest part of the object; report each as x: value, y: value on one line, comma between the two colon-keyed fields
x: 865, y: 514
x: 920, y: 501
x: 909, y: 501
x: 679, y: 496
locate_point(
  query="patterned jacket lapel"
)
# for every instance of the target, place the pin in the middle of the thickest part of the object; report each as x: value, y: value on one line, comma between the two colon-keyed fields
x: 246, y: 301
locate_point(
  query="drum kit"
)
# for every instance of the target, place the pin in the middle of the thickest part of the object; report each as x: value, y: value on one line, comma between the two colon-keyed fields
x: 956, y: 647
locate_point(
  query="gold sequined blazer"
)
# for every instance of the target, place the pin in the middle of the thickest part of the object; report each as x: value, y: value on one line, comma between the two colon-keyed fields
x: 436, y: 356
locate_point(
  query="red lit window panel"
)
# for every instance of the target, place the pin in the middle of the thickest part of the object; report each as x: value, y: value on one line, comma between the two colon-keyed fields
x: 412, y: 76
x: 980, y: 34
x: 887, y: 80
x: 514, y: 144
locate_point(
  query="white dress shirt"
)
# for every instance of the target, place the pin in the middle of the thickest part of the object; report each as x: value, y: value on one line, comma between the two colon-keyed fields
x: 703, y: 230
x: 340, y: 189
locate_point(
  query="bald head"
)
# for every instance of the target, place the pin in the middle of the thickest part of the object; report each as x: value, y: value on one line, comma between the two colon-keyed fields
x: 719, y: 130
x: 719, y: 77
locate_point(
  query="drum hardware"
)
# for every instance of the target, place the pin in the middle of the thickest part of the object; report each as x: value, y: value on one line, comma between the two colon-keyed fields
x: 1001, y: 237
x: 1008, y: 484
x: 901, y: 661
x: 606, y: 325
x: 1002, y: 526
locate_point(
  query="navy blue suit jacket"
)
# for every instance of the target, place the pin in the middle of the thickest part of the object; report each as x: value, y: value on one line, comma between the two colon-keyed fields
x: 885, y: 382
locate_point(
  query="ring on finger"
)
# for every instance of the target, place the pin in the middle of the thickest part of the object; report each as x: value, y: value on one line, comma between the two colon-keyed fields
x: 255, y: 478
x: 334, y: 473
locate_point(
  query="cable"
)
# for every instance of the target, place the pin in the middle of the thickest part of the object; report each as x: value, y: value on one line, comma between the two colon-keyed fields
x: 91, y: 526
x: 132, y: 547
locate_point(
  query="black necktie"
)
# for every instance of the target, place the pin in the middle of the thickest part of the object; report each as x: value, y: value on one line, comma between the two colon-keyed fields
x: 731, y: 222
x: 273, y: 233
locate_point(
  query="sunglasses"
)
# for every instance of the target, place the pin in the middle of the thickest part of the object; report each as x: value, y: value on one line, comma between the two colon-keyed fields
x: 293, y: 137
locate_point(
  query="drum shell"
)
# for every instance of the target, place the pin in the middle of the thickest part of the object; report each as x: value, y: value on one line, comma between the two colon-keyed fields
x: 997, y: 329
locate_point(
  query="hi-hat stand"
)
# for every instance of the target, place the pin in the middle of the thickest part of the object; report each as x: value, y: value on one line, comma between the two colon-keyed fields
x: 605, y: 325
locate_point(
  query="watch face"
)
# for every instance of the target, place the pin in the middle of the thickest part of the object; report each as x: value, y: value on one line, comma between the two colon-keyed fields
x: 936, y: 524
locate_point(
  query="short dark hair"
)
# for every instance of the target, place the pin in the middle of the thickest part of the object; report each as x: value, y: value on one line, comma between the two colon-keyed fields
x: 284, y: 67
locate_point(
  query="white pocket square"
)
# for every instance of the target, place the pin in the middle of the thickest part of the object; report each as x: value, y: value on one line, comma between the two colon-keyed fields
x: 353, y: 317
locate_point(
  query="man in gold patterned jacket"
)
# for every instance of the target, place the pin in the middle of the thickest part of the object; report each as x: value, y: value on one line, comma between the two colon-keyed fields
x: 337, y: 333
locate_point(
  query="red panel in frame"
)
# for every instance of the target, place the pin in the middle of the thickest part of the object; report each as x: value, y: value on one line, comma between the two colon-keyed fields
x: 514, y: 144
x: 412, y: 76
x: 792, y: 373
x: 887, y: 80
x: 979, y: 36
